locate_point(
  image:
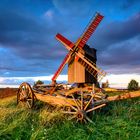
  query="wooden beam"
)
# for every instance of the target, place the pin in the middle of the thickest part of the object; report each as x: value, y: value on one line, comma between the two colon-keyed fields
x: 124, y: 96
x: 55, y: 100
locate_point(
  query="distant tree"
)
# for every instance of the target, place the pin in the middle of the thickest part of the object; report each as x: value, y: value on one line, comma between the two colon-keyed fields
x: 133, y: 85
x: 38, y: 82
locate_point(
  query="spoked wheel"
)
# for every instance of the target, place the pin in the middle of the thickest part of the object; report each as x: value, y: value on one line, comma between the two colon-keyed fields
x: 25, y: 95
x: 84, y: 105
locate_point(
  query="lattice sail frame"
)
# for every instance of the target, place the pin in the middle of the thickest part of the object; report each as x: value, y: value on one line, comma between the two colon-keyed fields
x: 91, y: 67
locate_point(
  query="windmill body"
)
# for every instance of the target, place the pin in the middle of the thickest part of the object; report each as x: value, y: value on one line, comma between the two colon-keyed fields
x: 77, y: 73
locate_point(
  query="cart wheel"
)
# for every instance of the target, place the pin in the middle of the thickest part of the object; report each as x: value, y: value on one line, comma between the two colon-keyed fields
x: 84, y: 105
x: 25, y: 95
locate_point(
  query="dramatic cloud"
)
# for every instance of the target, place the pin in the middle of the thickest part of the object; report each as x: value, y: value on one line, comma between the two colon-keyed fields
x: 74, y: 7
x: 31, y: 80
x: 118, y: 45
x: 117, y: 31
x: 28, y: 46
x: 129, y: 3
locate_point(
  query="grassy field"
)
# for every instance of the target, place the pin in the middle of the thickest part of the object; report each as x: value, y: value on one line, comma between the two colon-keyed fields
x: 117, y: 121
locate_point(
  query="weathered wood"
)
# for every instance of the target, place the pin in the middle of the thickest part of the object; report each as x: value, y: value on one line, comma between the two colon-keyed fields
x: 25, y: 95
x: 40, y: 89
x: 55, y: 100
x: 68, y: 93
x: 43, y: 85
x: 97, y: 107
x: 80, y: 101
x: 124, y: 96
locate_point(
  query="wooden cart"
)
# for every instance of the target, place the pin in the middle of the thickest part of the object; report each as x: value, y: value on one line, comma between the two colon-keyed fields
x: 79, y: 102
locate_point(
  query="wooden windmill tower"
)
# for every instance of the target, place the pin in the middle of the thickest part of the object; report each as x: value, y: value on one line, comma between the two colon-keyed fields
x: 81, y: 58
x: 77, y: 72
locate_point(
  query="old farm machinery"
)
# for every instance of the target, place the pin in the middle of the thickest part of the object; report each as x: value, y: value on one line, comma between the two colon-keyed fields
x: 80, y: 101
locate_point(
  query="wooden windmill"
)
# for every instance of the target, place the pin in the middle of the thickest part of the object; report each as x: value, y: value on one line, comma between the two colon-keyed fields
x: 81, y: 66
x: 78, y: 103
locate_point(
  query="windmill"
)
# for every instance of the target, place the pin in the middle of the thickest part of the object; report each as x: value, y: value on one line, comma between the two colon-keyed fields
x: 78, y: 63
x: 78, y: 103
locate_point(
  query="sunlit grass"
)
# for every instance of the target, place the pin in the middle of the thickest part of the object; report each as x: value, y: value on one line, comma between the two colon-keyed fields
x: 118, y: 121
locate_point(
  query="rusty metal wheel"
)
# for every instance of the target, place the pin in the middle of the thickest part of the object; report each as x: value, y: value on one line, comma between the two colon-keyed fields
x: 84, y: 105
x: 25, y: 95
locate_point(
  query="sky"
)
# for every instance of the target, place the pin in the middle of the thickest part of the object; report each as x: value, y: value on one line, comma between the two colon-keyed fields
x: 30, y: 52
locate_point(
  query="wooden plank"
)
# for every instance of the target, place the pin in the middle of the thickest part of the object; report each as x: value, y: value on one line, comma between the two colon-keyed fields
x: 72, y: 91
x: 94, y: 108
x: 124, y: 96
x: 55, y: 100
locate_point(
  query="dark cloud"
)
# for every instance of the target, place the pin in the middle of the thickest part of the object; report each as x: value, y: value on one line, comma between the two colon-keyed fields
x: 74, y: 8
x: 122, y: 69
x: 122, y: 53
x: 118, y: 45
x: 129, y: 3
x: 28, y: 29
x: 27, y: 36
x: 116, y: 32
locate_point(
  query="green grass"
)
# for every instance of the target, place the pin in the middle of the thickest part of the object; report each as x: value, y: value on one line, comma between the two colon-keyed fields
x: 117, y: 121
x: 112, y: 93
